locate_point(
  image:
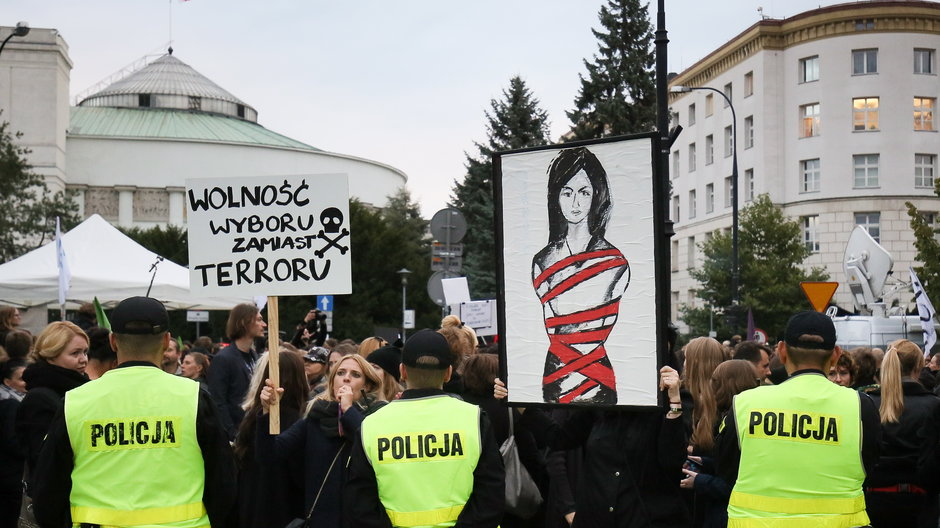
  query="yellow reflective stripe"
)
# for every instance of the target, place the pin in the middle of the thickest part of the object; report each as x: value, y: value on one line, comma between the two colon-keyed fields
x: 168, y: 514
x: 820, y: 521
x: 425, y: 518
x: 834, y: 505
x: 115, y: 526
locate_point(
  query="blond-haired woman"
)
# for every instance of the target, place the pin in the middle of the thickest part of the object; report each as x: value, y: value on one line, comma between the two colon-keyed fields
x: 702, y: 357
x: 59, y: 360
x: 463, y: 343
x: 902, y: 489
x: 321, y: 442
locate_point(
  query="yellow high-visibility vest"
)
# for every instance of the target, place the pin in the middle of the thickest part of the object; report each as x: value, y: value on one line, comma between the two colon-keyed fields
x: 137, y: 459
x: 424, y: 452
x: 801, y: 459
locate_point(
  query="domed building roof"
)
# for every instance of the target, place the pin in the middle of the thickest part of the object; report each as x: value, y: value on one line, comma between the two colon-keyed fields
x: 169, y: 83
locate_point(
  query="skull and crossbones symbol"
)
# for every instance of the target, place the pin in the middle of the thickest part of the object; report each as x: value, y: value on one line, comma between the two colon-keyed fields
x: 331, y: 219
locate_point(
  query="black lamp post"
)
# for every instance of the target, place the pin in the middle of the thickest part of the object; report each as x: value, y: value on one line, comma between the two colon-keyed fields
x: 21, y: 30
x: 735, y: 271
x: 404, y: 272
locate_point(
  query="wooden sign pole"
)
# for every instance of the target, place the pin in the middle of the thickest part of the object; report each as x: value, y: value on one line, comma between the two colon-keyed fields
x: 274, y: 372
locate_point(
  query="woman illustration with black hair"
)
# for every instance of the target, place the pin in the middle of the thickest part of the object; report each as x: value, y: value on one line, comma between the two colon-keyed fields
x: 579, y: 278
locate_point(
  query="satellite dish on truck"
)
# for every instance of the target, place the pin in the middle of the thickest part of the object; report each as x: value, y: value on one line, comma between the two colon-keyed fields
x: 867, y: 266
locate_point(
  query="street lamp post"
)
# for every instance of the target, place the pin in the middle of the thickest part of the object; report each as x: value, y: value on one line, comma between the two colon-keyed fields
x: 735, y: 271
x: 21, y: 30
x: 404, y: 272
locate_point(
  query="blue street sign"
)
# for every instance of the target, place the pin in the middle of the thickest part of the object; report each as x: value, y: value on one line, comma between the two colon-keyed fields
x: 325, y: 303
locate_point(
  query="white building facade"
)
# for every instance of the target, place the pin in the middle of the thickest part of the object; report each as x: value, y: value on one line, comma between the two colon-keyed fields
x: 836, y: 123
x: 129, y: 148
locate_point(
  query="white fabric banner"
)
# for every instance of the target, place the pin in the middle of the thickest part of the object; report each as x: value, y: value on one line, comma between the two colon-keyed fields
x: 62, y: 263
x: 927, y: 313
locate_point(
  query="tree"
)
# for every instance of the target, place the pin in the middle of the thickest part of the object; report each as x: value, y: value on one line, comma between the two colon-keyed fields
x: 170, y: 242
x: 771, y: 251
x: 382, y: 242
x: 618, y: 96
x: 928, y: 249
x: 513, y: 122
x: 29, y: 209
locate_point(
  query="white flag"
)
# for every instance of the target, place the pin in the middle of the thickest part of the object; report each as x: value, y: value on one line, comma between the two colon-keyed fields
x: 65, y: 276
x: 926, y: 311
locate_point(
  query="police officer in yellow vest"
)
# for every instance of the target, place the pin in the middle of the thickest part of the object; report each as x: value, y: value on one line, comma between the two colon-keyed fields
x: 428, y: 458
x: 797, y: 453
x: 138, y: 446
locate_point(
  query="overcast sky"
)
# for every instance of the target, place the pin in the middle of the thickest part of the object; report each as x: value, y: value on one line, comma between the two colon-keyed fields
x: 402, y: 82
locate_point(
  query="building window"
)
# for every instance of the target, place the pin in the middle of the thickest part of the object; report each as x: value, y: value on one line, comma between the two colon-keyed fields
x: 865, y: 113
x: 675, y: 164
x: 810, y: 233
x: 727, y: 94
x: 691, y: 157
x: 240, y: 110
x: 691, y: 114
x: 748, y: 132
x: 871, y: 222
x: 692, y: 204
x: 709, y: 149
x: 925, y: 167
x: 864, y: 61
x: 728, y: 193
x: 674, y: 258
x: 195, y: 103
x: 809, y: 120
x: 923, y: 112
x: 748, y: 84
x: 143, y: 100
x: 749, y: 185
x: 729, y: 141
x: 864, y: 24
x: 923, y: 60
x: 809, y: 69
x: 709, y: 105
x: 809, y: 175
x: 675, y: 208
x: 709, y: 198
x: 866, y: 170
x: 691, y: 263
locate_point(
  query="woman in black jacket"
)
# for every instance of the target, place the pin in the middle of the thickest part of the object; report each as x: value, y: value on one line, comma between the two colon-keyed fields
x: 321, y: 442
x: 60, y: 357
x: 270, y: 494
x: 902, y: 489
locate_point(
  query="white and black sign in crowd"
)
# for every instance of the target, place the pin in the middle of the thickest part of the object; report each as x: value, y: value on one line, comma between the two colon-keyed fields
x: 269, y: 235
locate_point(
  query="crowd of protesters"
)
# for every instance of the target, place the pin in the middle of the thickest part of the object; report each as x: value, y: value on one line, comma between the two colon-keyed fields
x: 618, y: 468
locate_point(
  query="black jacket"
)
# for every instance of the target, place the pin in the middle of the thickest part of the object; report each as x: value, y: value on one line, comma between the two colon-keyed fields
x: 909, y: 448
x: 484, y: 509
x: 46, y: 385
x: 632, y: 466
x: 229, y: 378
x: 306, y: 445
x: 51, y: 483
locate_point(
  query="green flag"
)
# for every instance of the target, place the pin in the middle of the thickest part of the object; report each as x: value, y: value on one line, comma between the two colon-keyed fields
x: 100, y: 316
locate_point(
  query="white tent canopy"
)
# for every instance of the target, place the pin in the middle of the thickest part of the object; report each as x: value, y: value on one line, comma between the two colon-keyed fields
x: 104, y: 263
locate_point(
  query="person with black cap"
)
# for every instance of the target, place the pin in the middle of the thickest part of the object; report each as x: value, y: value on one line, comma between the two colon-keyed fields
x: 387, y: 363
x: 315, y: 368
x: 791, y: 451
x: 137, y: 446
x: 428, y: 458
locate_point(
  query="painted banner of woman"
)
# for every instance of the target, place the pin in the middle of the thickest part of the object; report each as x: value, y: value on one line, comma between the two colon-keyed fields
x: 579, y: 278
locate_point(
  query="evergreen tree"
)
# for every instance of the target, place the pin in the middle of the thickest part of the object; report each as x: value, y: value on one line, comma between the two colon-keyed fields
x: 29, y: 209
x: 170, y: 242
x: 770, y: 251
x: 513, y: 122
x: 618, y: 96
x: 928, y: 249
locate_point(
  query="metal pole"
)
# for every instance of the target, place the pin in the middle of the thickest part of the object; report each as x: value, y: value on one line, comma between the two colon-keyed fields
x: 404, y: 304
x: 664, y: 225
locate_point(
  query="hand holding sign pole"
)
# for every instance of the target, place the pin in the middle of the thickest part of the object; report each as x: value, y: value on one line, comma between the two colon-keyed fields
x: 270, y: 236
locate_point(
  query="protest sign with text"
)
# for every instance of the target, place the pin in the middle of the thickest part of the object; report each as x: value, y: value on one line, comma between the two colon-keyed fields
x: 269, y: 235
